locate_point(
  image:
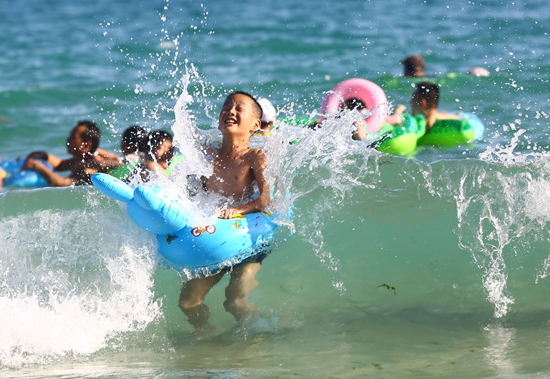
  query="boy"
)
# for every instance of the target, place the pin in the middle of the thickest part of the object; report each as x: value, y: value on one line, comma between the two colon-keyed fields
x: 424, y: 101
x: 236, y: 168
x: 160, y: 152
x: 413, y: 66
x: 82, y: 144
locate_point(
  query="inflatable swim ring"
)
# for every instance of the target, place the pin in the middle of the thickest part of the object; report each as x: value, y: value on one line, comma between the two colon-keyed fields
x: 404, y: 138
x: 400, y: 139
x: 202, y: 249
x: 452, y: 133
x: 371, y: 94
x: 16, y: 177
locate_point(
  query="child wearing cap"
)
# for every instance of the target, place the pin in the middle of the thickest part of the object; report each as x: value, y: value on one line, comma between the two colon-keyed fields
x: 268, y: 116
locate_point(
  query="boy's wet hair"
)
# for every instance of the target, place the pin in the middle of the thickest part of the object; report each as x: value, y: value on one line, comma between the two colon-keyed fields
x: 155, y: 140
x: 135, y: 135
x: 92, y: 133
x: 430, y: 92
x: 257, y: 107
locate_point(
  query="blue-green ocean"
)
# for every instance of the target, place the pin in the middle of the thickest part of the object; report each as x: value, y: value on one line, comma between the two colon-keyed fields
x: 430, y: 266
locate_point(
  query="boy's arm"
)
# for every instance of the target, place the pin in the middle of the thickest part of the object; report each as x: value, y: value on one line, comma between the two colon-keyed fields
x: 53, y: 179
x: 397, y: 116
x: 56, y: 162
x: 108, y: 159
x: 258, y: 164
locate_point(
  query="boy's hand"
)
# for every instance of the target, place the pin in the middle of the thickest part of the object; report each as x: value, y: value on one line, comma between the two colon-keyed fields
x: 400, y: 109
x: 32, y: 164
x: 227, y: 213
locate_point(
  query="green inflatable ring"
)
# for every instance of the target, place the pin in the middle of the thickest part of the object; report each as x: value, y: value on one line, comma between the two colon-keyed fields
x: 401, y: 139
x: 452, y: 133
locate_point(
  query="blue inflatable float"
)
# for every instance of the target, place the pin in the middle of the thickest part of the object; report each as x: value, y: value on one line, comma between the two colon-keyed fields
x: 16, y: 177
x: 202, y: 249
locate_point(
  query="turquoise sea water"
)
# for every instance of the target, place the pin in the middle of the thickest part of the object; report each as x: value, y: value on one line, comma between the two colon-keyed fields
x: 435, y: 266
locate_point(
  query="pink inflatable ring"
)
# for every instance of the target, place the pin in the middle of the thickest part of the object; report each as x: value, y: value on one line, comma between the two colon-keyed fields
x: 369, y: 93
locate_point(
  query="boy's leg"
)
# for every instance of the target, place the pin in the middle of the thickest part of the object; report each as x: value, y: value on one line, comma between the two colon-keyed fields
x: 192, y: 297
x: 242, y: 282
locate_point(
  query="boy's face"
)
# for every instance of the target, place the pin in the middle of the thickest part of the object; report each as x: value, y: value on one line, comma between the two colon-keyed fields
x: 237, y: 116
x: 75, y: 143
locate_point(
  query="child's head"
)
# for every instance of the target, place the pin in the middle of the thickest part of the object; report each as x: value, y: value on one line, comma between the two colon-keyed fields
x: 413, y: 66
x: 425, y: 97
x: 160, y: 147
x: 240, y: 115
x: 84, y: 138
x: 354, y: 104
x: 134, y: 140
x: 268, y: 113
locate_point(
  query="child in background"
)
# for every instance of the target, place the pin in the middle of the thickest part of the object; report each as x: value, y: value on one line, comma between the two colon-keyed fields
x: 268, y: 116
x: 350, y: 104
x: 160, y: 152
x: 414, y: 66
x: 237, y: 171
x: 133, y: 146
x: 82, y: 144
x: 424, y: 101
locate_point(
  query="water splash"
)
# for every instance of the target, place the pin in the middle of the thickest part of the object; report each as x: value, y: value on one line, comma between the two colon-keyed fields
x: 66, y: 292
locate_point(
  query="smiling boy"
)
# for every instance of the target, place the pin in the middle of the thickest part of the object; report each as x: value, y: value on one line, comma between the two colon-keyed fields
x: 237, y: 170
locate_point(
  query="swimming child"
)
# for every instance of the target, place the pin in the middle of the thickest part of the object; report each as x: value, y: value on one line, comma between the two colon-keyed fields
x: 360, y: 126
x: 268, y: 115
x: 237, y: 170
x: 414, y: 66
x: 133, y: 146
x: 82, y: 144
x: 424, y: 101
x: 160, y: 151
x: 133, y: 143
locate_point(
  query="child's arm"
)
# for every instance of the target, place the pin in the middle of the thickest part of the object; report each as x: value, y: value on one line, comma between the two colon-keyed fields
x: 258, y: 165
x: 53, y: 179
x: 57, y: 163
x: 396, y: 117
x: 3, y: 174
x: 108, y: 159
x: 359, y: 132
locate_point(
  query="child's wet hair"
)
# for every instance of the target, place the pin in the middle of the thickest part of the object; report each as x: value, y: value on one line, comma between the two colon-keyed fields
x: 136, y: 136
x: 354, y: 103
x: 257, y: 107
x: 428, y: 91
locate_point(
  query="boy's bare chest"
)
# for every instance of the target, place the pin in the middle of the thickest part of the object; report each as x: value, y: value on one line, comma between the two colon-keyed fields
x: 230, y: 177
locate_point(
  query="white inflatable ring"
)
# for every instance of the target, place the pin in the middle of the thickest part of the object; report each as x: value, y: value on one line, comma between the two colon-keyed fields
x: 369, y: 93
